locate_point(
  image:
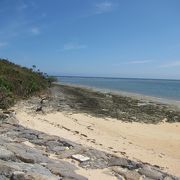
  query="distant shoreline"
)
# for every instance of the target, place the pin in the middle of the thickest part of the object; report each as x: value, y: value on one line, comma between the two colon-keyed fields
x: 162, y: 89
x: 127, y: 94
x: 101, y: 77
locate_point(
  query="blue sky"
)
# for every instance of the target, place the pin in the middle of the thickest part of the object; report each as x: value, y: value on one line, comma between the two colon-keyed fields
x: 116, y: 38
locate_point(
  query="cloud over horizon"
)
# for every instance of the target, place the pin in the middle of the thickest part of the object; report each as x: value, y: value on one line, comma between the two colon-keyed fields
x: 171, y: 64
x: 139, y: 62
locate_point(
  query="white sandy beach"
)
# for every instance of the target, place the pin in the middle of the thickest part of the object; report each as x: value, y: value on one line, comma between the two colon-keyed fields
x: 156, y: 144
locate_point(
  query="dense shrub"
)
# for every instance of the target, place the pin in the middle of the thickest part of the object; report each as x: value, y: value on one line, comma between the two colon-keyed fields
x: 19, y: 82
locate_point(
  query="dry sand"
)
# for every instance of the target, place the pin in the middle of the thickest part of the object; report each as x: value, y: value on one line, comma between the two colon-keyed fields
x: 156, y: 144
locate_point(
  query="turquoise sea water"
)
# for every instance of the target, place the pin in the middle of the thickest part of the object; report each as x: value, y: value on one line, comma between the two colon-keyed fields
x: 169, y: 89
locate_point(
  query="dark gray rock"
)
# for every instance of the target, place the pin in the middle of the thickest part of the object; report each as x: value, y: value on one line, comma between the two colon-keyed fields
x: 168, y: 178
x: 130, y: 175
x: 114, y: 161
x: 26, y: 153
x: 39, y: 108
x: 46, y: 137
x: 40, y: 142
x: 65, y: 170
x: 151, y: 172
x: 5, y: 170
x: 28, y: 136
x: 8, y: 169
x: 31, y: 176
x: 18, y: 175
x: 126, y: 163
x: 98, y: 159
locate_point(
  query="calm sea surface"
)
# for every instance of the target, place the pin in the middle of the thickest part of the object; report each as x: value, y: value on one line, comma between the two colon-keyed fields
x: 169, y: 89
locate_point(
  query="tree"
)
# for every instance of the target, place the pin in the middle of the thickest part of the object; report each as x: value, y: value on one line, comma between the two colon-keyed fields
x: 34, y: 67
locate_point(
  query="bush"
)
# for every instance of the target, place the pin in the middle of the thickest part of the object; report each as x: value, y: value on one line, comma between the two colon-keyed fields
x: 19, y: 82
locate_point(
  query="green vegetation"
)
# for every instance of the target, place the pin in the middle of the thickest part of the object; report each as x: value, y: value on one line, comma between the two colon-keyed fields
x: 18, y: 82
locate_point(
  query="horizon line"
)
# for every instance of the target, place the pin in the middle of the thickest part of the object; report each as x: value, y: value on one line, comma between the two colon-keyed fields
x: 109, y: 77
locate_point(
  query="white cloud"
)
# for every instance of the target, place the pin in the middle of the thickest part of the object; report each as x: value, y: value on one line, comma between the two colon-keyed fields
x: 73, y: 46
x: 171, y: 64
x: 3, y: 44
x: 35, y: 30
x: 139, y: 62
x: 104, y: 7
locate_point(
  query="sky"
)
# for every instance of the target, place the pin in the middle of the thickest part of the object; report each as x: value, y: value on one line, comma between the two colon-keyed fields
x: 111, y: 38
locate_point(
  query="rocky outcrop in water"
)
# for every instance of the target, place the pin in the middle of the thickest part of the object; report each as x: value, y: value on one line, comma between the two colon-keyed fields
x: 128, y: 109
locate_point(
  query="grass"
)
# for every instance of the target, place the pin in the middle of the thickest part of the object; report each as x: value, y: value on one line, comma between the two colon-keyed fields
x: 18, y: 82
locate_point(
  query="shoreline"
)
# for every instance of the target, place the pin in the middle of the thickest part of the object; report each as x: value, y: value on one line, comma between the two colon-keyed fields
x: 155, y: 144
x: 116, y: 105
x: 126, y: 94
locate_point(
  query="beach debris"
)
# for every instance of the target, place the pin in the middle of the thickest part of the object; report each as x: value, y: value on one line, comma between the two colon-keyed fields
x: 142, y: 104
x: 39, y: 108
x: 42, y: 100
x: 67, y: 129
x: 84, y: 135
x: 106, y: 110
x: 80, y: 157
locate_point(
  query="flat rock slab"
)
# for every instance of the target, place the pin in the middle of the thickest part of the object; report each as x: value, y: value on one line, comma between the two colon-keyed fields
x: 126, y: 163
x: 64, y: 170
x: 151, y: 172
x: 5, y: 154
x: 80, y: 157
x: 26, y: 153
x: 18, y: 175
x: 130, y: 175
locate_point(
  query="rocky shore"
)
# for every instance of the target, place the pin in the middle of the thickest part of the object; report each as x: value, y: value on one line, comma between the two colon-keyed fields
x: 27, y: 154
x: 101, y: 104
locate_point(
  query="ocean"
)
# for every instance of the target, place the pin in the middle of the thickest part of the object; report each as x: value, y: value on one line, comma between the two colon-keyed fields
x: 168, y: 89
